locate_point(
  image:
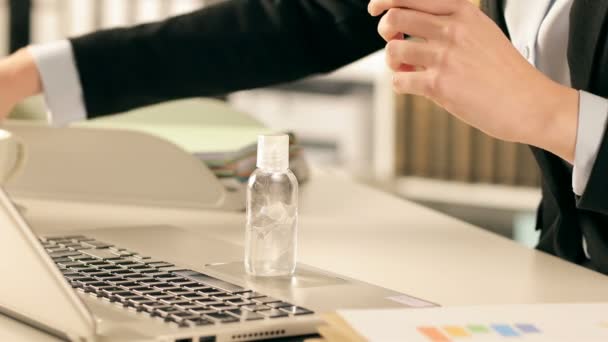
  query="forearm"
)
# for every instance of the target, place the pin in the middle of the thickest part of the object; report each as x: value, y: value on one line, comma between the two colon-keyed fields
x: 553, y: 120
x: 235, y: 45
x: 19, y: 78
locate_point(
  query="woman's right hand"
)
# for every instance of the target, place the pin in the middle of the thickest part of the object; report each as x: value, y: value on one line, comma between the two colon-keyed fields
x: 19, y: 79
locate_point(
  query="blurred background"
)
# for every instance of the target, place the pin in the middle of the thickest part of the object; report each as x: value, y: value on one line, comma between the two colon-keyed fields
x: 349, y: 122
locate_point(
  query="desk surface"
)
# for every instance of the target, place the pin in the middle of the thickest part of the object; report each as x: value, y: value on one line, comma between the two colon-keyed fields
x: 362, y: 233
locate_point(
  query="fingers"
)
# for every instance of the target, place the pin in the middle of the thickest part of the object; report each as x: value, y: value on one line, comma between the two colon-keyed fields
x: 436, y: 7
x: 403, y: 21
x: 408, y: 52
x: 415, y: 83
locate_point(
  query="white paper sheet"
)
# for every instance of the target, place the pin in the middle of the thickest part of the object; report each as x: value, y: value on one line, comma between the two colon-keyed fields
x: 533, y: 323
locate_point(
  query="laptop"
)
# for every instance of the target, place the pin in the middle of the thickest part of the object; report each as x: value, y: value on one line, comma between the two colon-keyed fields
x: 162, y: 283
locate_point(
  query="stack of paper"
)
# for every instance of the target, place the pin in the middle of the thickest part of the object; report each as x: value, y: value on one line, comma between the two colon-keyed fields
x: 225, y: 139
x: 533, y: 323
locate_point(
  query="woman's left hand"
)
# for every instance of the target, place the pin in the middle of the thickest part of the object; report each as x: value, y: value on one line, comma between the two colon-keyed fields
x: 464, y: 62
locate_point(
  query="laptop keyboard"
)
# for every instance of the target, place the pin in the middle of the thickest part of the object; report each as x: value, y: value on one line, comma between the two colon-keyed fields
x: 159, y: 289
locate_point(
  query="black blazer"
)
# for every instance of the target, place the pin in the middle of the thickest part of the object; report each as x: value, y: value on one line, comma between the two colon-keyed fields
x: 242, y: 44
x: 563, y: 217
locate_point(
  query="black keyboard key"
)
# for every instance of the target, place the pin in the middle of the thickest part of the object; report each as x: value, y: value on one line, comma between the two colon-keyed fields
x: 223, y: 307
x: 207, y: 302
x: 109, y: 268
x: 145, y: 280
x: 194, y: 297
x: 58, y: 249
x: 225, y: 296
x: 141, y: 300
x: 141, y: 288
x: 124, y: 263
x: 296, y: 310
x: 207, y: 280
x: 201, y: 310
x: 201, y: 322
x: 180, y: 292
x: 138, y: 277
x: 151, y: 307
x: 123, y: 272
x: 82, y: 258
x: 129, y: 283
x: 180, y: 316
x: 238, y: 302
x: 62, y: 260
x: 144, y: 292
x: 164, y: 312
x: 98, y: 263
x: 252, y: 316
x: 86, y: 269
x: 274, y: 313
x: 121, y: 253
x: 278, y: 305
x: 103, y: 254
x: 113, y: 290
x: 161, y: 275
x: 251, y: 295
x: 61, y: 255
x: 209, y: 291
x: 96, y: 244
x: 85, y: 280
x: 72, y: 245
x: 159, y: 295
x: 101, y: 275
x: 137, y: 267
x: 99, y: 284
x: 246, y: 315
x: 174, y: 300
x: 70, y: 275
x: 255, y: 307
x: 114, y: 280
x: 265, y: 300
x: 177, y: 281
x: 221, y: 317
x: 194, y: 286
x: 159, y: 264
x: 187, y: 306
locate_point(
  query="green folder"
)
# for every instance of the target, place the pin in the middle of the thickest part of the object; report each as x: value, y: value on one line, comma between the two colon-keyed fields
x: 207, y: 128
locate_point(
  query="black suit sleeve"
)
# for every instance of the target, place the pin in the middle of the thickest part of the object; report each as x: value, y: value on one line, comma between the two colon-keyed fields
x: 594, y: 196
x: 235, y: 45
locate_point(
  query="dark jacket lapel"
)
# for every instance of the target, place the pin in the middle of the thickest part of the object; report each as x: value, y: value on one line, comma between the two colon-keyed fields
x: 587, y: 26
x: 494, y: 9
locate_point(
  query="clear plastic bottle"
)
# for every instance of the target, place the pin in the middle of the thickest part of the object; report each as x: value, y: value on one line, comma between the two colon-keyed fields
x: 272, y: 211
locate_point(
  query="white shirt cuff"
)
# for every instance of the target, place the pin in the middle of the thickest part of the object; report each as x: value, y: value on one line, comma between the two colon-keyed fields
x: 592, y: 117
x: 60, y: 81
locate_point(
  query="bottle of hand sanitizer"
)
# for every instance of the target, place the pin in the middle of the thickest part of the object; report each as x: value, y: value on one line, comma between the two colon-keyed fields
x: 272, y: 211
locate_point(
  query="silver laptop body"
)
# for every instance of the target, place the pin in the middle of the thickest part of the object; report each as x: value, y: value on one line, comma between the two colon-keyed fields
x: 38, y: 289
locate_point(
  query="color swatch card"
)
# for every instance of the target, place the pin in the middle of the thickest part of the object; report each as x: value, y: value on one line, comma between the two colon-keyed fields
x: 525, y: 323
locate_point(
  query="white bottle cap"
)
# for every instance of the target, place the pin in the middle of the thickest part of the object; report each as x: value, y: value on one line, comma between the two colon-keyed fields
x: 273, y: 152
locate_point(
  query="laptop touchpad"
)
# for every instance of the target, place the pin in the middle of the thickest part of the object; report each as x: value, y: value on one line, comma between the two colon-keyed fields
x: 305, y: 277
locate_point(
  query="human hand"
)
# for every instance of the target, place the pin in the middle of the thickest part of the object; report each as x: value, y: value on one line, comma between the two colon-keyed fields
x: 465, y: 64
x: 19, y: 79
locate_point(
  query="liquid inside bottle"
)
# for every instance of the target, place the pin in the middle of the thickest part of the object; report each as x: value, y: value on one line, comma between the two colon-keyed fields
x: 272, y: 212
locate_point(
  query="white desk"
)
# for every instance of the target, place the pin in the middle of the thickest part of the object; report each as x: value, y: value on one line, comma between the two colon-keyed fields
x: 359, y: 232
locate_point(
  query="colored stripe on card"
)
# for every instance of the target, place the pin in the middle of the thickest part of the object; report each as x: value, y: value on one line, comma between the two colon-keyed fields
x: 455, y: 331
x: 505, y: 330
x: 433, y: 334
x: 527, y: 328
x: 478, y: 329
